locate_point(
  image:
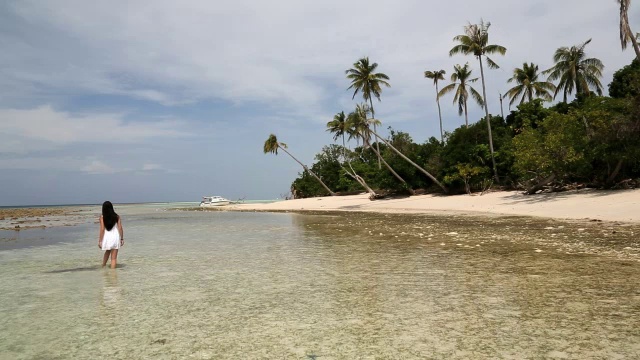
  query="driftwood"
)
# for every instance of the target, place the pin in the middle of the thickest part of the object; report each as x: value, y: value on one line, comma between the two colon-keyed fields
x: 540, y: 185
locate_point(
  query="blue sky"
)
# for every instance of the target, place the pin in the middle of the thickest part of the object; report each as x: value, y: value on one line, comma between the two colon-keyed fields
x: 134, y: 101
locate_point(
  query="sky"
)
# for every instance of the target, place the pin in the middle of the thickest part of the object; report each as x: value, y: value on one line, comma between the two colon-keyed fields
x: 154, y: 101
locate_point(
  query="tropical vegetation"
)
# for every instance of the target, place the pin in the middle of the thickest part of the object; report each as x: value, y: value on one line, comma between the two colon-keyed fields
x: 461, y: 86
x: 475, y: 41
x: 586, y: 140
x: 529, y: 86
x: 437, y: 76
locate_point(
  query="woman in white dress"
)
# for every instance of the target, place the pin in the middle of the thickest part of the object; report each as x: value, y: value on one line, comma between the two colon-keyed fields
x: 111, y: 234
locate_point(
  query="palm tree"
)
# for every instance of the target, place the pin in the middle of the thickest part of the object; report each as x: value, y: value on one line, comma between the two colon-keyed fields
x: 475, y: 40
x: 528, y: 85
x: 410, y: 161
x: 437, y: 76
x: 626, y: 35
x: 357, y: 126
x: 364, y: 79
x: 460, y: 82
x: 575, y: 72
x: 271, y: 145
x: 338, y: 127
x: 360, y: 126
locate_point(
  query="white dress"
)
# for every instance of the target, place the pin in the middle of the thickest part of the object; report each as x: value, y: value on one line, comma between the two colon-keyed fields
x: 111, y: 238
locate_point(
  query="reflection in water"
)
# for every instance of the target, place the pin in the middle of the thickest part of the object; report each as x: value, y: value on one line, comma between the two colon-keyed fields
x: 111, y: 292
x: 243, y: 285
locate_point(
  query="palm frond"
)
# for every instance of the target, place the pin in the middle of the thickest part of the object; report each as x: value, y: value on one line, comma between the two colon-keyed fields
x: 476, y: 96
x: 491, y: 63
x: 447, y: 89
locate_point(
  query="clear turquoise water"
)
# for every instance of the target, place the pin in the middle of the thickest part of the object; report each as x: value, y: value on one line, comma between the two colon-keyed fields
x: 220, y: 285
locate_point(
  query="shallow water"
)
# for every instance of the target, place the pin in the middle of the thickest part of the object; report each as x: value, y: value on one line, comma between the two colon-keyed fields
x: 346, y: 286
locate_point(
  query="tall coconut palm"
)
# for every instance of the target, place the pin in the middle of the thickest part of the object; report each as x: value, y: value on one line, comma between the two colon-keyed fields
x: 437, y: 76
x: 360, y: 126
x: 575, y: 72
x: 461, y: 83
x: 364, y: 79
x: 626, y: 35
x: 528, y: 85
x: 271, y: 145
x: 475, y: 41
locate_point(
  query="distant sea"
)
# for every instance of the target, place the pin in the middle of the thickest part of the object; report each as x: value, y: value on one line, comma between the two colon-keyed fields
x: 163, y: 204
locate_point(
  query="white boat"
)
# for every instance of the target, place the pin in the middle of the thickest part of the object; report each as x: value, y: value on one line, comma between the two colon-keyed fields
x: 209, y: 201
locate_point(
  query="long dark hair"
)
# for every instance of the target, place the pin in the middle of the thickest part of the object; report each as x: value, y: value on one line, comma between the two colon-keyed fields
x: 109, y: 215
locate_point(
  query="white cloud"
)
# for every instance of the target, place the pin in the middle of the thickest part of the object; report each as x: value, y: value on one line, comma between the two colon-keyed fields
x: 43, y: 127
x: 98, y: 168
x: 151, y: 167
x: 90, y: 165
x: 289, y: 54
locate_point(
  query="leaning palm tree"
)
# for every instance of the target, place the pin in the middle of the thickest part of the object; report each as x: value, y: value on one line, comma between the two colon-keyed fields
x: 460, y: 83
x: 360, y: 126
x: 575, y: 72
x: 626, y: 35
x: 409, y: 161
x: 339, y: 126
x: 475, y: 41
x: 437, y: 76
x: 528, y: 85
x: 364, y: 79
x: 271, y: 145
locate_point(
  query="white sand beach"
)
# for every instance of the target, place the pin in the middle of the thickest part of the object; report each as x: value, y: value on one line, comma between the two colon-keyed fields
x: 619, y: 205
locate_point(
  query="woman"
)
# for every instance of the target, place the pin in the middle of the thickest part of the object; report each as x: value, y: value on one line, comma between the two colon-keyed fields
x: 111, y: 234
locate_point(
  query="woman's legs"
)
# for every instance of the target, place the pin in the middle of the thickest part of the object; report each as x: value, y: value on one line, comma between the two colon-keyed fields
x: 114, y: 258
x: 105, y: 257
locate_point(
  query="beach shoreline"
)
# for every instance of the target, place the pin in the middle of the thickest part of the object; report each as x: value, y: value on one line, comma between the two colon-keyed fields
x: 577, y: 205
x: 585, y: 204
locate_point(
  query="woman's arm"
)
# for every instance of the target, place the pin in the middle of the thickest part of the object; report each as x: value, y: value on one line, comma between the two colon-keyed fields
x: 121, y: 231
x: 101, y: 233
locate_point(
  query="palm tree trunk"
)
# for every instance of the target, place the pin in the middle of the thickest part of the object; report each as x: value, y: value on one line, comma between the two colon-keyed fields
x: 439, y: 113
x: 532, y: 190
x: 486, y: 110
x: 411, y: 162
x: 309, y: 170
x: 614, y: 173
x: 373, y: 116
x: 393, y: 172
x: 360, y: 180
x: 634, y: 41
x: 466, y: 114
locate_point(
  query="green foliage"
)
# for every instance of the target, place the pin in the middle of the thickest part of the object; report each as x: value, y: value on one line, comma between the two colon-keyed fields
x: 626, y: 81
x: 555, y: 147
x: 528, y: 115
x: 594, y: 140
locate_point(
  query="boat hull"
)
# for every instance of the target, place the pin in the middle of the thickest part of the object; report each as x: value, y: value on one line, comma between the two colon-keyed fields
x: 214, y: 204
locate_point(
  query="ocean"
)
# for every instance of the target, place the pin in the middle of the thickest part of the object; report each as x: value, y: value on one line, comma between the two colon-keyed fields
x: 228, y: 285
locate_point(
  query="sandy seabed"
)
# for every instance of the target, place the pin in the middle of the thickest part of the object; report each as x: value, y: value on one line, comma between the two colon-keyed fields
x: 586, y: 204
x: 29, y: 218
